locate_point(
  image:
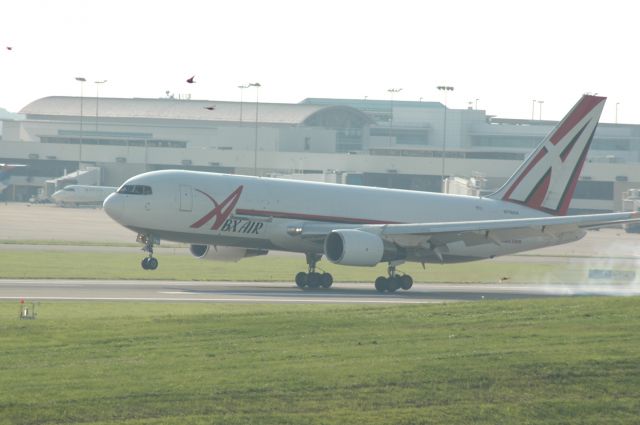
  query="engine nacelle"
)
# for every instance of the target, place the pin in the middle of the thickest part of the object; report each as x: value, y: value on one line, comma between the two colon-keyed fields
x: 224, y: 253
x: 352, y: 247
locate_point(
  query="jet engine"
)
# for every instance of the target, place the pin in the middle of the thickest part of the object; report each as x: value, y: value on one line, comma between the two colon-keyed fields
x: 352, y: 247
x: 224, y: 253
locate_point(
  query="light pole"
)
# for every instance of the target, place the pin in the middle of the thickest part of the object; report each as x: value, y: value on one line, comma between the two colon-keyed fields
x: 444, y: 128
x: 533, y: 109
x: 242, y: 87
x: 540, y: 102
x: 82, y: 80
x: 98, y: 99
x: 617, y: 103
x: 476, y: 108
x: 392, y: 91
x: 255, y: 145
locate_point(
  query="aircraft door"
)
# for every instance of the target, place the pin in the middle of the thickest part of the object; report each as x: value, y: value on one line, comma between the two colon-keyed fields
x: 265, y: 203
x: 186, y: 198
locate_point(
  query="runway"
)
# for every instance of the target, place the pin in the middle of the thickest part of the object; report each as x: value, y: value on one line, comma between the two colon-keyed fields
x: 285, y: 292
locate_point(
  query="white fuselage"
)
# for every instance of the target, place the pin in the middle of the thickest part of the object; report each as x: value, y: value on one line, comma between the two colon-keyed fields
x: 250, y: 212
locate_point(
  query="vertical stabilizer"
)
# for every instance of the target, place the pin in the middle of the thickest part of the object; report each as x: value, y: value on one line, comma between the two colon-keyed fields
x: 548, y: 177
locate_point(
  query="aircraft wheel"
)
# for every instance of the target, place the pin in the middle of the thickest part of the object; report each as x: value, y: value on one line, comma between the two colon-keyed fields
x: 406, y: 282
x: 381, y: 284
x: 393, y: 284
x: 313, y: 280
x: 301, y: 280
x: 152, y: 263
x: 326, y: 280
x: 145, y: 263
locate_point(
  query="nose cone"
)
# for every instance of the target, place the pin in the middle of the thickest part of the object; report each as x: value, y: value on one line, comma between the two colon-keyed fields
x: 114, y: 206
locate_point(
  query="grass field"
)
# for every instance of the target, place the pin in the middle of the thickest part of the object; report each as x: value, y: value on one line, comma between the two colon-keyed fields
x: 110, y: 265
x: 552, y: 361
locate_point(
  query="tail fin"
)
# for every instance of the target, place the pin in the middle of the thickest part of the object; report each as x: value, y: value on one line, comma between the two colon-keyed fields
x: 547, y: 179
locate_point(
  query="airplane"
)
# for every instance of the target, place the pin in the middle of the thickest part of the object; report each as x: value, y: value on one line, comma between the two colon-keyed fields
x: 230, y: 217
x: 5, y: 174
x: 77, y: 194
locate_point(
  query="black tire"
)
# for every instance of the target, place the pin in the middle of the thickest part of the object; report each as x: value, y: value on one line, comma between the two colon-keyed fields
x: 326, y: 280
x: 406, y: 282
x: 381, y: 284
x: 152, y: 263
x: 301, y: 280
x: 393, y: 284
x: 313, y: 280
x: 145, y: 263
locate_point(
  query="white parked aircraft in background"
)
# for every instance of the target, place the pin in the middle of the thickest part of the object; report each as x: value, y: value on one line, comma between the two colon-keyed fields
x: 78, y: 194
x: 229, y: 217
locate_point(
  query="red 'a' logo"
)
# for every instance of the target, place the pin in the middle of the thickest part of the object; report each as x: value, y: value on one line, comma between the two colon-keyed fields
x: 221, y: 211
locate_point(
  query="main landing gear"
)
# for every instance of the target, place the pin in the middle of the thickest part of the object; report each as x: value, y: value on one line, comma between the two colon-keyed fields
x: 313, y: 279
x: 149, y: 262
x: 394, y: 281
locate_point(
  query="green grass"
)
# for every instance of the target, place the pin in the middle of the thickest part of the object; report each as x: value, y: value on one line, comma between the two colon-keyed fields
x: 58, y: 242
x: 552, y: 361
x: 92, y: 265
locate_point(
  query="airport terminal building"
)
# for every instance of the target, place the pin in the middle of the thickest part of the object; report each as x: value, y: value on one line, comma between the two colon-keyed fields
x: 401, y: 144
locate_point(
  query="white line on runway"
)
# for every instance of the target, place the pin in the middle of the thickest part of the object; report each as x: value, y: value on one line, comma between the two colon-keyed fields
x: 236, y: 300
x: 319, y: 294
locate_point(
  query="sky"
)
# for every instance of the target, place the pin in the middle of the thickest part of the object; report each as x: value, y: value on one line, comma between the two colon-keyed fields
x: 507, y: 54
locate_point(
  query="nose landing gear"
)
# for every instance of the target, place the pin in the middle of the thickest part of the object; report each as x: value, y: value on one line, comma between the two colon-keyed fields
x: 149, y: 262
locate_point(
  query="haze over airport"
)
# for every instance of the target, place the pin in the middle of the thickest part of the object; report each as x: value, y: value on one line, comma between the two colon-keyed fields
x: 505, y: 57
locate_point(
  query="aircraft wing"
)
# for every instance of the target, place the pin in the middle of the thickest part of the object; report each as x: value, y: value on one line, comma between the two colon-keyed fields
x: 481, y: 232
x: 470, y: 232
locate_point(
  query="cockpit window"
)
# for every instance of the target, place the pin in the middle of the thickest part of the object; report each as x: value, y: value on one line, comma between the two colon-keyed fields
x: 135, y: 189
x: 69, y: 189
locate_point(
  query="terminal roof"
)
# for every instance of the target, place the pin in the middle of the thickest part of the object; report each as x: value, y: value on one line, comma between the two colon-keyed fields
x: 197, y: 110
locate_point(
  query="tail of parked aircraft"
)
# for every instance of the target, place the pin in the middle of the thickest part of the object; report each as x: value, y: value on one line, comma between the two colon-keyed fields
x: 548, y: 177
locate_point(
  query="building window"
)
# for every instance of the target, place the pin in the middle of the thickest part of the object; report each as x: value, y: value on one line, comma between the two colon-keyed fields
x: 152, y: 143
x: 403, y: 136
x: 349, y: 139
x: 508, y: 141
x: 610, y: 144
x: 593, y: 189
